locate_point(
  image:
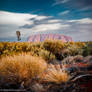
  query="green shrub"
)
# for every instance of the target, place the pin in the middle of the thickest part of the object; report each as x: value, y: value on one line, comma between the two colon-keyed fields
x: 87, y: 50
x: 54, y: 47
x: 49, y: 57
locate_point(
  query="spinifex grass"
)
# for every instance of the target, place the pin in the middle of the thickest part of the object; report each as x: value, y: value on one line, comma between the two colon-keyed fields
x: 21, y: 67
x: 55, y: 74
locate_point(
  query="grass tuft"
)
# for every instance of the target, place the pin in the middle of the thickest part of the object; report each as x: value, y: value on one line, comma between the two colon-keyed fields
x: 21, y: 67
x: 55, y: 74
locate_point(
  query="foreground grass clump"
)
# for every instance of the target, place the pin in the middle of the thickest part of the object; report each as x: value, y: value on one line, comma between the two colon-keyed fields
x: 23, y: 67
x: 73, y: 60
x: 55, y: 74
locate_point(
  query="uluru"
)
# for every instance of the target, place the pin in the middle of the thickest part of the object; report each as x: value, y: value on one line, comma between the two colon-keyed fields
x: 43, y: 37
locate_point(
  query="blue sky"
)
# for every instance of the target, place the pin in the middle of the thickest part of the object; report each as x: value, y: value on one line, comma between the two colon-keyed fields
x: 68, y: 17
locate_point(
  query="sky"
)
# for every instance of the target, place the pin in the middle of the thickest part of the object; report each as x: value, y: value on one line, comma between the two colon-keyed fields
x: 69, y: 17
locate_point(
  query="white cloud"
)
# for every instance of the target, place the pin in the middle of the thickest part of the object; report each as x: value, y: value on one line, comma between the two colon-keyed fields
x: 18, y: 18
x: 60, y: 2
x: 42, y: 17
x: 15, y: 18
x: 64, y: 12
x: 54, y: 20
x: 50, y: 27
x: 85, y: 21
x: 10, y: 22
x: 82, y: 21
x: 79, y: 29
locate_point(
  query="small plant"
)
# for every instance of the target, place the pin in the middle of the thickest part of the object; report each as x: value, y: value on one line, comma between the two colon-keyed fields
x: 55, y: 74
x: 88, y: 59
x: 68, y: 60
x: 49, y: 57
x: 23, y: 67
x: 54, y: 47
x: 78, y: 58
x: 87, y: 50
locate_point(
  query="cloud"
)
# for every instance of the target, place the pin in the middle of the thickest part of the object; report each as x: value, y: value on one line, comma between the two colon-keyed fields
x: 82, y: 5
x: 86, y: 8
x: 18, y: 18
x: 64, y: 12
x: 82, y: 21
x: 57, y: 2
x: 50, y: 27
x: 54, y: 21
x: 15, y: 18
x: 78, y: 29
x: 10, y: 22
x: 65, y: 1
x: 44, y: 26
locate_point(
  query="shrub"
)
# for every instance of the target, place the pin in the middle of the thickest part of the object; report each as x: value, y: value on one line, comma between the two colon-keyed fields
x: 73, y: 59
x: 87, y: 50
x: 68, y: 60
x: 21, y: 67
x: 78, y: 58
x: 49, y: 57
x: 54, y: 47
x: 55, y: 74
x: 88, y: 59
x: 73, y: 50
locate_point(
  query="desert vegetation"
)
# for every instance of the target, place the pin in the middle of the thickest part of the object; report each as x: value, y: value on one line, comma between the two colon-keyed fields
x: 46, y: 66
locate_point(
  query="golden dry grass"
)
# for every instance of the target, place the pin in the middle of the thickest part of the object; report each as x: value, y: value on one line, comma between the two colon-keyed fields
x: 55, y: 74
x: 23, y: 66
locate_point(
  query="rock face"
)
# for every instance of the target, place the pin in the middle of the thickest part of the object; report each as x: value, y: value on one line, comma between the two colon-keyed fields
x: 42, y: 37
